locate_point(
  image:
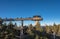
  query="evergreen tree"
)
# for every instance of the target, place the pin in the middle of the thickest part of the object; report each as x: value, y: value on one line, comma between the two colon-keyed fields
x: 10, y: 25
x: 31, y: 26
x: 5, y: 24
x: 15, y: 24
x: 1, y: 21
x: 54, y: 24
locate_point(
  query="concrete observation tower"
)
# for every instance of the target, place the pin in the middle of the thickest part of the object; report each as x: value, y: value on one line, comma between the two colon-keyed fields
x: 37, y: 18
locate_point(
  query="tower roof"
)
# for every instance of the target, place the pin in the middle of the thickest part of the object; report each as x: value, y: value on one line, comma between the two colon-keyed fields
x: 36, y: 16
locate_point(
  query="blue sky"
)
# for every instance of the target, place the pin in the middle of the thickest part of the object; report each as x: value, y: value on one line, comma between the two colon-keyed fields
x: 48, y: 9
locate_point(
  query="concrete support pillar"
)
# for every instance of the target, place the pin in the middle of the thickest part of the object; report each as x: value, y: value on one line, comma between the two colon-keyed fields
x: 21, y: 22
